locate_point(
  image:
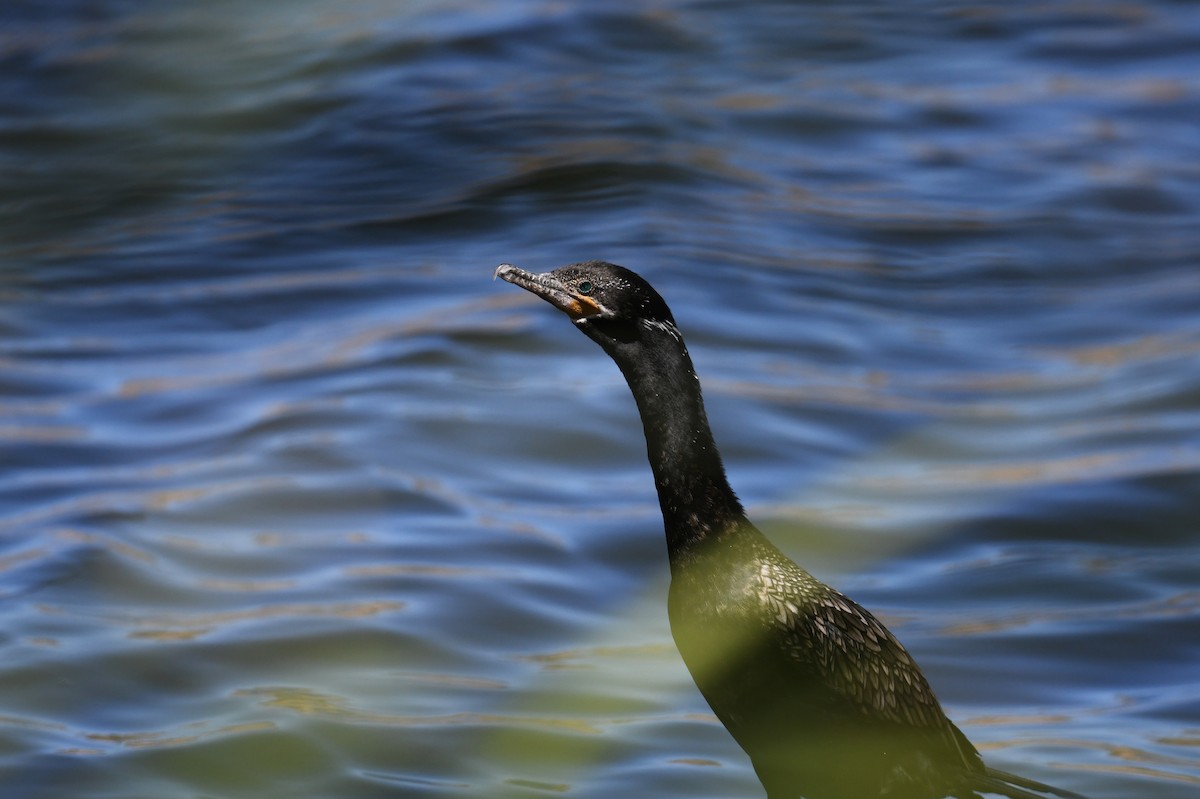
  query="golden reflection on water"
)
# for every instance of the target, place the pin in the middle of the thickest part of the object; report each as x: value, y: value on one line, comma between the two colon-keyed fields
x: 1184, y: 604
x: 584, y: 657
x: 158, y: 739
x: 1137, y: 761
x: 178, y: 626
x: 1128, y: 462
x: 539, y: 785
x: 1141, y: 348
x: 244, y: 586
x: 276, y: 361
x: 453, y: 680
x: 143, y: 500
x: 16, y: 559
x: 419, y: 570
x: 309, y: 702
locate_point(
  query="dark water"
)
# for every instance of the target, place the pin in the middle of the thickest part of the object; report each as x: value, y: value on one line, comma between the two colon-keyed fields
x: 296, y: 502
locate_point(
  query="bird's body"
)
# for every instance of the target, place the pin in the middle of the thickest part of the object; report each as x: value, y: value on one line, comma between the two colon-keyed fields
x: 857, y: 718
x: 823, y: 698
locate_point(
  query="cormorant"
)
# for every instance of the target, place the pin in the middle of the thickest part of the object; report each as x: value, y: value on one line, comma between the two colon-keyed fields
x: 823, y: 698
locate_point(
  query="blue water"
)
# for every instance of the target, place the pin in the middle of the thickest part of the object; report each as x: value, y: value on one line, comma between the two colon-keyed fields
x: 296, y: 501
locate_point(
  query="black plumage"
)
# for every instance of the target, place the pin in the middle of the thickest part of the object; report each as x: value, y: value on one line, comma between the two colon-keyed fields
x: 823, y: 698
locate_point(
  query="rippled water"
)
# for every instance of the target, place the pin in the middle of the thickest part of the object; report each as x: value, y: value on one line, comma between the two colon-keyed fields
x: 295, y: 501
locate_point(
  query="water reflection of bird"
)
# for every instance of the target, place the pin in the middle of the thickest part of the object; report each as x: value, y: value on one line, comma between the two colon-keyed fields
x: 819, y: 693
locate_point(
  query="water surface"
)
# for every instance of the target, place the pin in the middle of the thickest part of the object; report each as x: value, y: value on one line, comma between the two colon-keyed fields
x: 296, y: 501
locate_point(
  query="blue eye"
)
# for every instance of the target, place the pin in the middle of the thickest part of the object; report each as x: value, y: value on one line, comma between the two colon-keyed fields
x: 586, y: 288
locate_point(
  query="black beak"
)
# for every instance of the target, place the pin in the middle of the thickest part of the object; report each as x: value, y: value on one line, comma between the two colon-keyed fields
x: 553, y: 291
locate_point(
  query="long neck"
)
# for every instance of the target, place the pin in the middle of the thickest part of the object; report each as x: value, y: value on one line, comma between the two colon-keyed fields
x: 693, y: 492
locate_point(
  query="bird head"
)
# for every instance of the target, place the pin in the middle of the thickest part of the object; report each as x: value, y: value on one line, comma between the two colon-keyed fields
x: 604, y: 300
